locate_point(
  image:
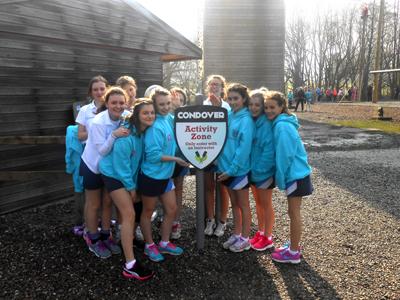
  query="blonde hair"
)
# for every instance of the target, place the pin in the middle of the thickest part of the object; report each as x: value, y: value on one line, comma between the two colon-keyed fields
x: 125, y: 80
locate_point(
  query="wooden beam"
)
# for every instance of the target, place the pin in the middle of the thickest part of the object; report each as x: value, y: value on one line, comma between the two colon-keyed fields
x: 32, y: 140
x: 28, y: 175
x: 385, y: 71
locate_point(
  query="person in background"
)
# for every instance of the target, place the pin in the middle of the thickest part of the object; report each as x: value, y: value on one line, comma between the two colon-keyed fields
x: 216, y: 93
x: 128, y: 84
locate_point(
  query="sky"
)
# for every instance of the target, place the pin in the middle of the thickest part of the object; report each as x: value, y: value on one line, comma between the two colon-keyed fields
x: 185, y: 15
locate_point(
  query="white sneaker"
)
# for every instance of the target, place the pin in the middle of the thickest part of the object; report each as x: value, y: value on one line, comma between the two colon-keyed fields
x: 209, y: 227
x: 240, y: 245
x: 232, y: 240
x: 220, y: 230
x: 139, y: 234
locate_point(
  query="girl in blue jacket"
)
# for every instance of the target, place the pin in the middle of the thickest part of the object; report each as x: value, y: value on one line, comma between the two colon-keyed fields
x: 155, y: 178
x: 234, y: 164
x: 119, y: 171
x: 292, y: 170
x: 262, y: 172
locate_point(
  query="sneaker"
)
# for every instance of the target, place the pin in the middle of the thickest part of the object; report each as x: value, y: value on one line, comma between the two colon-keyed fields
x: 209, y: 227
x: 284, y: 256
x: 170, y: 249
x: 240, y: 245
x: 112, y: 246
x: 255, y: 238
x: 153, y: 253
x: 220, y: 230
x: 176, y: 231
x: 286, y: 245
x: 78, y: 230
x: 139, y: 234
x: 263, y: 243
x: 99, y: 249
x: 138, y: 271
x: 232, y: 239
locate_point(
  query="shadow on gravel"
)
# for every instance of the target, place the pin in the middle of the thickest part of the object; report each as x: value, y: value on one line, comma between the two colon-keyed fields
x: 42, y: 259
x: 303, y: 282
x: 376, y: 182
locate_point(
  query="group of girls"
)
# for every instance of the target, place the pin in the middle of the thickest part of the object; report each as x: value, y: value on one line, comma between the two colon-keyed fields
x: 130, y: 159
x: 263, y: 149
x: 121, y: 164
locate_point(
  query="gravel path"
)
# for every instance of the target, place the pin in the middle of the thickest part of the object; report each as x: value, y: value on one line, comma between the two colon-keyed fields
x: 351, y: 244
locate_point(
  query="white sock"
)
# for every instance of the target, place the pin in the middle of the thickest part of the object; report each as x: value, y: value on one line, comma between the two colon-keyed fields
x: 293, y: 252
x: 149, y: 245
x: 237, y: 236
x: 164, y: 243
x: 129, y: 265
x: 245, y: 239
x: 261, y: 232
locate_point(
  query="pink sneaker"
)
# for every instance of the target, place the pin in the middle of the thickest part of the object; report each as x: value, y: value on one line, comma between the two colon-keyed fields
x: 255, y: 238
x: 284, y: 256
x: 263, y: 243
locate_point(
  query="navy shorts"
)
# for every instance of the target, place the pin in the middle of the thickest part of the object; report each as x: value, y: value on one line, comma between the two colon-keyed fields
x: 151, y: 187
x: 237, y: 183
x: 300, y: 188
x: 91, y: 181
x: 180, y: 171
x: 267, y: 184
x: 112, y: 184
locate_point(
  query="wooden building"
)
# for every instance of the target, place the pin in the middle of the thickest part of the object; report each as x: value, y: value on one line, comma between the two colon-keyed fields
x: 49, y: 50
x: 245, y: 41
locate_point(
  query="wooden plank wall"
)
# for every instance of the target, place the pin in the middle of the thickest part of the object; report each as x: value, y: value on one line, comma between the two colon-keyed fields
x: 244, y: 41
x: 49, y: 50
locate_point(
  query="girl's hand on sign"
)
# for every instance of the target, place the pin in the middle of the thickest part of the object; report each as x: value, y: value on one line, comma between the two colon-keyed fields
x: 181, y: 162
x: 222, y: 177
x: 216, y: 101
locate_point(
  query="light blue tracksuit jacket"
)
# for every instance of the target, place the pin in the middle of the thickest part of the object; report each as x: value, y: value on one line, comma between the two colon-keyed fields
x: 73, y: 152
x: 263, y: 151
x: 290, y: 155
x: 235, y: 157
x: 123, y: 162
x: 159, y: 140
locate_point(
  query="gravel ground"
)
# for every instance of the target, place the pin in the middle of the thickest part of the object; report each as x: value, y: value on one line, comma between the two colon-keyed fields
x: 351, y: 245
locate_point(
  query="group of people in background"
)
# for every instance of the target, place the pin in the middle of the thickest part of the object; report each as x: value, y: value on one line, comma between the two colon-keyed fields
x: 306, y: 95
x: 130, y: 160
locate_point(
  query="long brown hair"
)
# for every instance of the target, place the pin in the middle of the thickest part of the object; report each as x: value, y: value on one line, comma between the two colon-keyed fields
x: 134, y: 120
x: 242, y: 90
x: 280, y: 100
x: 92, y: 81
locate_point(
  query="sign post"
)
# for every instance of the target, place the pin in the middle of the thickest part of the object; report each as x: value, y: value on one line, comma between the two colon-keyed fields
x: 200, y: 133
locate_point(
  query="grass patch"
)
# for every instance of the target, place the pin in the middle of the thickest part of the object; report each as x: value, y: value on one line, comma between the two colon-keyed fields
x: 385, y: 126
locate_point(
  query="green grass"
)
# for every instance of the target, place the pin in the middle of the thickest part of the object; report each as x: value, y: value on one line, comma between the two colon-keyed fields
x: 385, y: 126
